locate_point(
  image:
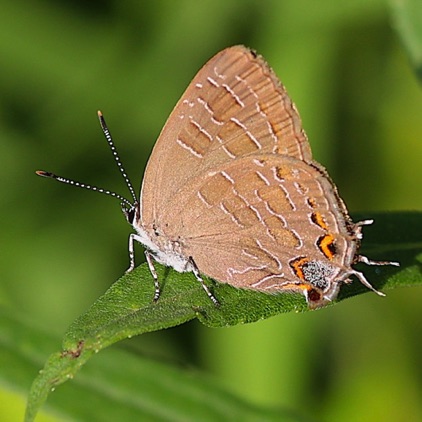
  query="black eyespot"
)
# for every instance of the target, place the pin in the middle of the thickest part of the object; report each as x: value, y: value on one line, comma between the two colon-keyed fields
x: 314, y: 295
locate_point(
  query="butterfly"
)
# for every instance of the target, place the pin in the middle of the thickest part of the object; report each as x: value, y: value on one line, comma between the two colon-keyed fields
x: 231, y: 190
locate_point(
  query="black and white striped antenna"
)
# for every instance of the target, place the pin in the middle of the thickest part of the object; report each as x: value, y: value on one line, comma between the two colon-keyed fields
x: 113, y: 149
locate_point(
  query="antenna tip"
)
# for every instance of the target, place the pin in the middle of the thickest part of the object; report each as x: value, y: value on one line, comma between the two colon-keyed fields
x: 45, y: 174
x: 101, y: 119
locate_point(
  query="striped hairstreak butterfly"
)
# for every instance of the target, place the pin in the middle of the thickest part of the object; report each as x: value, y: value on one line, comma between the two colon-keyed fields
x: 231, y: 190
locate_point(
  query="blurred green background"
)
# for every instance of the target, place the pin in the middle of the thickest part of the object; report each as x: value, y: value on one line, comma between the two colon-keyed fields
x: 361, y: 105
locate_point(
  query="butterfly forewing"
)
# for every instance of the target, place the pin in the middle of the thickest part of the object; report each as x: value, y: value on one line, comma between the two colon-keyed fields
x: 235, y: 106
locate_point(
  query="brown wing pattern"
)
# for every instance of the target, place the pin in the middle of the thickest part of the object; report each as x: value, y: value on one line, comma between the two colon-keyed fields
x: 241, y: 225
x: 235, y: 106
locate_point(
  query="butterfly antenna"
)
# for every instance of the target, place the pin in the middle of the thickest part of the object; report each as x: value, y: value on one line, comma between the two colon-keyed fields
x: 115, y: 154
x: 124, y: 201
x: 84, y: 186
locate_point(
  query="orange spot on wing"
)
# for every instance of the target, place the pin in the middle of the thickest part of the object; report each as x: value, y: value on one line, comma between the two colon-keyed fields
x: 318, y: 219
x: 327, y: 246
x: 297, y: 265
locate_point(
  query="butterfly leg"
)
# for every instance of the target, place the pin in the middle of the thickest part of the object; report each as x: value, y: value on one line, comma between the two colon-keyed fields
x: 150, y: 261
x: 197, y: 274
x: 368, y: 261
x: 132, y: 238
x: 361, y: 277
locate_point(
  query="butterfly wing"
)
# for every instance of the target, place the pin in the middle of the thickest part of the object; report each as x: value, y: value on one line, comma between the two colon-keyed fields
x: 249, y: 222
x: 234, y: 107
x: 231, y: 183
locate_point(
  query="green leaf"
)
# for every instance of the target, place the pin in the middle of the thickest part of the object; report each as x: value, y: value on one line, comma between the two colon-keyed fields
x: 119, y: 385
x: 407, y: 16
x: 126, y: 309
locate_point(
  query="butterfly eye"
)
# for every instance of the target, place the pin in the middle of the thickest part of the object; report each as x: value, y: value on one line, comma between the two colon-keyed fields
x: 129, y: 213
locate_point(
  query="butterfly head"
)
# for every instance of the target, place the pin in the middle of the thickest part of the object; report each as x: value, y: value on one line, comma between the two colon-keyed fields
x: 131, y: 212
